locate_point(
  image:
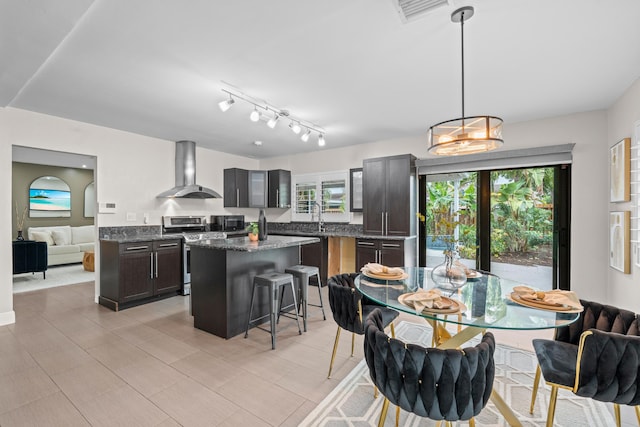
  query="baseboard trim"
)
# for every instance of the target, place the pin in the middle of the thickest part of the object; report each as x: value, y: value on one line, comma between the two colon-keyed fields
x: 7, y: 318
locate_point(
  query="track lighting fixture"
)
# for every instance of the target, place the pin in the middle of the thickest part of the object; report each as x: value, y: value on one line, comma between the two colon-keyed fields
x: 295, y: 127
x: 273, y: 121
x: 255, y: 115
x: 262, y: 109
x: 226, y: 104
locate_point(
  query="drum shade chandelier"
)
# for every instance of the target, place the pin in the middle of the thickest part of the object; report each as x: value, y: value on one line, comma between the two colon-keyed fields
x: 465, y: 135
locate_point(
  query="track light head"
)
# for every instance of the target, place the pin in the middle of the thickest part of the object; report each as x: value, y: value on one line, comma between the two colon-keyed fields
x: 273, y: 120
x: 305, y: 136
x: 295, y: 127
x: 321, y: 140
x: 255, y: 115
x: 226, y: 104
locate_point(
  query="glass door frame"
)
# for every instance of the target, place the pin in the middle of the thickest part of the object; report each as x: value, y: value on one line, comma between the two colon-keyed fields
x: 561, y: 277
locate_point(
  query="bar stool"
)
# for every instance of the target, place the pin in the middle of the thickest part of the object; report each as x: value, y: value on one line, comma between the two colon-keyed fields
x: 275, y: 282
x: 304, y: 273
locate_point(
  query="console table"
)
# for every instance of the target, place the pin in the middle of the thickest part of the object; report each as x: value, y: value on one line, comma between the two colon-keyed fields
x: 29, y: 256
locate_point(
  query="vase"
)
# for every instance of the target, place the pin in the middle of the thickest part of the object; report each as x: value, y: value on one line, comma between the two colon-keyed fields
x: 448, y: 275
x: 253, y: 237
x: 262, y: 226
x: 20, y: 235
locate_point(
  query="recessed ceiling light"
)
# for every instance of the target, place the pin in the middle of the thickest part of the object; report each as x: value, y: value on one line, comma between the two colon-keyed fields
x: 257, y: 143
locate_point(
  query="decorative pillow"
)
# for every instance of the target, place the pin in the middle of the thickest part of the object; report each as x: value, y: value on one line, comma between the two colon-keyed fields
x: 42, y: 236
x: 61, y: 238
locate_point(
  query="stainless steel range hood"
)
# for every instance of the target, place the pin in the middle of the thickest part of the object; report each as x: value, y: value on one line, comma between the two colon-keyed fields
x: 186, y: 186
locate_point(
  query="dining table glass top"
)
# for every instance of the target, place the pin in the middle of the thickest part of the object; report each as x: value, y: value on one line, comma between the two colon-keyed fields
x: 485, y: 301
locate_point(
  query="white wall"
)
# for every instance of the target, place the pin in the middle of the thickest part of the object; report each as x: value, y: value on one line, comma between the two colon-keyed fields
x: 132, y: 169
x: 622, y: 289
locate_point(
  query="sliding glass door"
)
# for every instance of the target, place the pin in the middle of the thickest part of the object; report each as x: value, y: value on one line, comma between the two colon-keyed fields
x: 512, y: 222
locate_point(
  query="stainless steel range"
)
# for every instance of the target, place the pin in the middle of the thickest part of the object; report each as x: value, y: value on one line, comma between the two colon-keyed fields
x: 191, y: 229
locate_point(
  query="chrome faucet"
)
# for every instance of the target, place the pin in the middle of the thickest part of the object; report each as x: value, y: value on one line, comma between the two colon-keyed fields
x: 320, y: 221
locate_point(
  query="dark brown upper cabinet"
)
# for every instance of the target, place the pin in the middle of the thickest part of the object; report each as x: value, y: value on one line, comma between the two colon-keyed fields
x: 355, y: 190
x: 389, y: 195
x: 279, y: 188
x: 236, y: 188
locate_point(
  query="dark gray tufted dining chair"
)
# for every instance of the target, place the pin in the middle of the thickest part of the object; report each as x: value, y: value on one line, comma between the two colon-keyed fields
x: 598, y: 357
x: 439, y: 384
x: 350, y: 308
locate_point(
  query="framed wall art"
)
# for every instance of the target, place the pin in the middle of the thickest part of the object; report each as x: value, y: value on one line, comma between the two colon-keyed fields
x: 620, y: 167
x: 49, y: 197
x: 619, y: 257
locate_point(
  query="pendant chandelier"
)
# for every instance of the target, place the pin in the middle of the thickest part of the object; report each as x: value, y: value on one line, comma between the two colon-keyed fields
x: 465, y: 135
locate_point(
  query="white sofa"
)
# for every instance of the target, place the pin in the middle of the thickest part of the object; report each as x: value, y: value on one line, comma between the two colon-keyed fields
x: 65, y: 244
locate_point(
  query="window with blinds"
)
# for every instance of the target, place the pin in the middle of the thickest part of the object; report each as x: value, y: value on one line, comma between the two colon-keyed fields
x: 327, y: 190
x: 305, y: 197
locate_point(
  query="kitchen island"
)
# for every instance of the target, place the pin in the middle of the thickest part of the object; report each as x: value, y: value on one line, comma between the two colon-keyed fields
x: 222, y: 272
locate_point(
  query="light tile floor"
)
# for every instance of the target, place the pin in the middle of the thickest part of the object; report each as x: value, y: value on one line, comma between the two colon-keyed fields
x: 68, y: 361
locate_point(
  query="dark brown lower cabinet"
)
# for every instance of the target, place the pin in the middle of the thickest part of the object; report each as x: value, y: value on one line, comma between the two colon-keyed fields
x: 393, y: 253
x: 134, y: 273
x: 317, y: 255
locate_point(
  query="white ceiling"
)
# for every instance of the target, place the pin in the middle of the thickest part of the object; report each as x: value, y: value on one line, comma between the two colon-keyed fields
x: 157, y: 67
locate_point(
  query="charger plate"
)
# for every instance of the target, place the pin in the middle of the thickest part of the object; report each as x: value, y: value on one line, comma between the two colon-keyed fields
x: 541, y: 305
x: 400, y: 276
x: 455, y: 306
x: 474, y: 276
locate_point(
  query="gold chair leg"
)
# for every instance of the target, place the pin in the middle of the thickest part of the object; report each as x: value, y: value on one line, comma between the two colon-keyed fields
x: 638, y: 414
x: 383, y: 413
x: 616, y: 413
x: 397, y: 416
x: 552, y: 405
x: 472, y: 422
x: 393, y: 330
x: 534, y: 393
x: 335, y: 347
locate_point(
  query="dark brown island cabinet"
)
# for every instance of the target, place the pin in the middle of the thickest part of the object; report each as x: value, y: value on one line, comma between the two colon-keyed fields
x: 389, y: 196
x: 133, y: 273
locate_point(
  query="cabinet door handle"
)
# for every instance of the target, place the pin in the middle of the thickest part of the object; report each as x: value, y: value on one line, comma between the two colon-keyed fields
x: 390, y: 245
x: 168, y: 245
x: 151, y: 265
x: 381, y: 222
x: 278, y: 198
x: 386, y: 223
x: 156, y: 264
x: 366, y: 244
x: 137, y: 248
x: 237, y: 197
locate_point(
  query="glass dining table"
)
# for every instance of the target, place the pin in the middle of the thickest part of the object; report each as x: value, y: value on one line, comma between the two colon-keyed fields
x: 483, y: 303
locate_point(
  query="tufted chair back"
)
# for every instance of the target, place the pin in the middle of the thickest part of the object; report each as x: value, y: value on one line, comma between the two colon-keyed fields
x: 609, y: 368
x: 601, y: 317
x: 434, y: 383
x: 345, y: 301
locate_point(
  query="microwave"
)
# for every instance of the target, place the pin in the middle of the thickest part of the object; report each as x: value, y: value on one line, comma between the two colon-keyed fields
x: 227, y: 223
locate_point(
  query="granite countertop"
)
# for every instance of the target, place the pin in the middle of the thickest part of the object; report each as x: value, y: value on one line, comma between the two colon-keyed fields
x: 337, y: 233
x: 243, y: 244
x: 142, y: 238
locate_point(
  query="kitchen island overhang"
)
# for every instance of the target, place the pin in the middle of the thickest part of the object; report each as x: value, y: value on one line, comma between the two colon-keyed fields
x: 222, y: 272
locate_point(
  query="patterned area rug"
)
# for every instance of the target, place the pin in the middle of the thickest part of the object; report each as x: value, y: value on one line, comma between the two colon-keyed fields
x: 352, y: 403
x: 58, y: 275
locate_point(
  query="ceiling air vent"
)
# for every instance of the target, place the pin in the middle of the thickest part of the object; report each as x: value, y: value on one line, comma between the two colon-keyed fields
x: 410, y: 10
